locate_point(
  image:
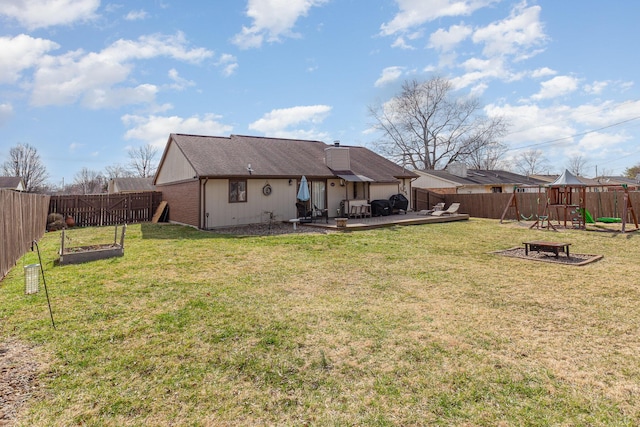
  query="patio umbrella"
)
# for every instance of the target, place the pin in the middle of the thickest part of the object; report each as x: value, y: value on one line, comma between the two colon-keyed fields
x: 303, y: 192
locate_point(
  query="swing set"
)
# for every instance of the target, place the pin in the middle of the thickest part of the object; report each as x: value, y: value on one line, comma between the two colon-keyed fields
x: 568, y: 202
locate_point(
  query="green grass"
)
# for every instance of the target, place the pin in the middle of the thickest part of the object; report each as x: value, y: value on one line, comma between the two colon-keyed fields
x: 416, y: 325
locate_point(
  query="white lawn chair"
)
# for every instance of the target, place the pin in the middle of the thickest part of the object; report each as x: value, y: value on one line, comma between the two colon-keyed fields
x: 452, y: 210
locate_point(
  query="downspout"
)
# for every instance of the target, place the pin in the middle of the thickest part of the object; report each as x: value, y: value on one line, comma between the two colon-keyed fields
x: 203, y: 199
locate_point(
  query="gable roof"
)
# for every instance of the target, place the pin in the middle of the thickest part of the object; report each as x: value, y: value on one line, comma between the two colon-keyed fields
x: 213, y: 156
x: 128, y: 185
x: 12, y: 183
x: 485, y: 177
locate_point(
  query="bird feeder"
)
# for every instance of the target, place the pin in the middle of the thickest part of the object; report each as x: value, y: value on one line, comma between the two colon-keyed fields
x: 31, y: 278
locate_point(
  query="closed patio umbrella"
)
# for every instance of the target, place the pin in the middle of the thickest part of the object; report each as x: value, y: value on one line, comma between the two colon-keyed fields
x: 303, y: 192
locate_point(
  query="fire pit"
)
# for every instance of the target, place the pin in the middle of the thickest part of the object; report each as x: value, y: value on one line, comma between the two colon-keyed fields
x: 79, y: 254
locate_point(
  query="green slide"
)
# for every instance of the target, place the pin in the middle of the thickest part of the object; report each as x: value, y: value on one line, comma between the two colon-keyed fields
x: 588, y: 219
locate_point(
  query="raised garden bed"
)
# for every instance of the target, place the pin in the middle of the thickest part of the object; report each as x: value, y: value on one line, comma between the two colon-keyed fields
x: 80, y: 254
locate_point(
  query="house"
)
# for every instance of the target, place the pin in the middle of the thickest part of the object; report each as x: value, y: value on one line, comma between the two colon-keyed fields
x: 130, y: 185
x: 213, y: 181
x: 12, y: 183
x: 458, y: 179
x: 610, y: 182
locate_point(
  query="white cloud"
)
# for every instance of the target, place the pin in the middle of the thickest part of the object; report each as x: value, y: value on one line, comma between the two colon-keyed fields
x: 136, y: 15
x: 417, y: 12
x: 116, y: 97
x: 94, y: 77
x: 596, y: 88
x: 34, y: 14
x: 389, y: 75
x: 532, y: 124
x: 229, y: 64
x: 542, y: 72
x: 402, y: 44
x: 155, y: 130
x: 179, y: 83
x: 276, y: 123
x: 557, y: 86
x: 445, y: 40
x: 6, y: 111
x: 272, y: 19
x: 480, y: 69
x: 74, y: 146
x: 20, y: 53
x: 601, y: 144
x: 515, y: 35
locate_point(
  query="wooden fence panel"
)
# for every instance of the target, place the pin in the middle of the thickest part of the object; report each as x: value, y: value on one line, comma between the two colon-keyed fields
x: 107, y: 209
x: 23, y: 219
x: 530, y: 205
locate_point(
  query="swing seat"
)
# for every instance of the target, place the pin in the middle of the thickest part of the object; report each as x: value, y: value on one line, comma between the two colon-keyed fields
x: 608, y: 219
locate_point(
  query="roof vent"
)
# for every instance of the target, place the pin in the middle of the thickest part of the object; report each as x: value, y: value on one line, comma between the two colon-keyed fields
x: 336, y: 143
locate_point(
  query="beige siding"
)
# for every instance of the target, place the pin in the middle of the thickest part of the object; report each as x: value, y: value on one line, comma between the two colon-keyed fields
x: 428, y: 181
x: 383, y: 191
x: 175, y: 167
x: 258, y: 208
x: 335, y: 194
x: 337, y: 158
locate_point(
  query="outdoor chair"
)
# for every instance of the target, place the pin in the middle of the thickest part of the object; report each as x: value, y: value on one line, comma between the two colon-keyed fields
x: 452, y: 210
x: 321, y: 213
x: 304, y: 215
x: 436, y: 207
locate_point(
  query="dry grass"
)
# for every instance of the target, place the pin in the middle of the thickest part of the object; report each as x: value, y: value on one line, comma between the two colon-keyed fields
x: 401, y: 326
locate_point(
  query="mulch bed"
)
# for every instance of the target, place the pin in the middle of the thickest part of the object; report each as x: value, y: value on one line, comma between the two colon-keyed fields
x: 574, y: 259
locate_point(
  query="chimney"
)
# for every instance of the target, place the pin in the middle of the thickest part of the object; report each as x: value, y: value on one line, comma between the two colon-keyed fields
x: 458, y: 169
x: 337, y: 157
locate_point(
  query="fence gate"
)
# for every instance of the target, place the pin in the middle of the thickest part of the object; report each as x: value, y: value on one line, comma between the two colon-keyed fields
x: 107, y: 209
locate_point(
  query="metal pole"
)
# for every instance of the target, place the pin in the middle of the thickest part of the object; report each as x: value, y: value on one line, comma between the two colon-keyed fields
x: 45, y: 285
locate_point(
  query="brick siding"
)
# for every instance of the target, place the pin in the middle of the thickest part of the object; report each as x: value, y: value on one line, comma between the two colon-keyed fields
x: 183, y: 201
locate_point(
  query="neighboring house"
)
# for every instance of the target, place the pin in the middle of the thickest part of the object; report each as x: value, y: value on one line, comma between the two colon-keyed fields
x: 130, y: 185
x: 211, y: 181
x: 633, y: 184
x: 457, y: 179
x: 11, y: 183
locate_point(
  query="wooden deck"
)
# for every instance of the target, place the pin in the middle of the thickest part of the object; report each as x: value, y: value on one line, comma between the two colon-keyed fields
x: 410, y: 218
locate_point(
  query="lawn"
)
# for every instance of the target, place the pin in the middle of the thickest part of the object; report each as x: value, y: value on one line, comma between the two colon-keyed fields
x: 416, y: 325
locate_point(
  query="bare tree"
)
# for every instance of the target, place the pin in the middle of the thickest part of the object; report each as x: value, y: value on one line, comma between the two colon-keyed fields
x: 117, y: 171
x: 89, y: 182
x: 24, y: 162
x: 577, y: 165
x: 531, y: 162
x: 487, y: 156
x: 428, y: 128
x: 142, y: 161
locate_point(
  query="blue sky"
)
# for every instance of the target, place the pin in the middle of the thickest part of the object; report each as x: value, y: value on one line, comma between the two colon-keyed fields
x: 83, y: 81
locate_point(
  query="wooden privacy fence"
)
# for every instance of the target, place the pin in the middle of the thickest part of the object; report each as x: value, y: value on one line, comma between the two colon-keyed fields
x: 107, y: 209
x: 23, y: 219
x: 492, y: 205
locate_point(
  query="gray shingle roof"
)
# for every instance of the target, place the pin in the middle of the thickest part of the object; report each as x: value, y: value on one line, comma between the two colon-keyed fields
x: 213, y: 156
x: 11, y: 182
x: 134, y: 184
x: 486, y: 177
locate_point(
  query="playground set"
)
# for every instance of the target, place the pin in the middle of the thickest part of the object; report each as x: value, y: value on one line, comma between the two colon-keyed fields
x: 564, y: 204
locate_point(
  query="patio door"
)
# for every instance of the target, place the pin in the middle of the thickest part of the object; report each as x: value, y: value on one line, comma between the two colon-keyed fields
x: 319, y: 194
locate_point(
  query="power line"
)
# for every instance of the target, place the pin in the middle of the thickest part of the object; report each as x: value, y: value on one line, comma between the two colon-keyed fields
x: 629, y: 101
x: 575, y: 135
